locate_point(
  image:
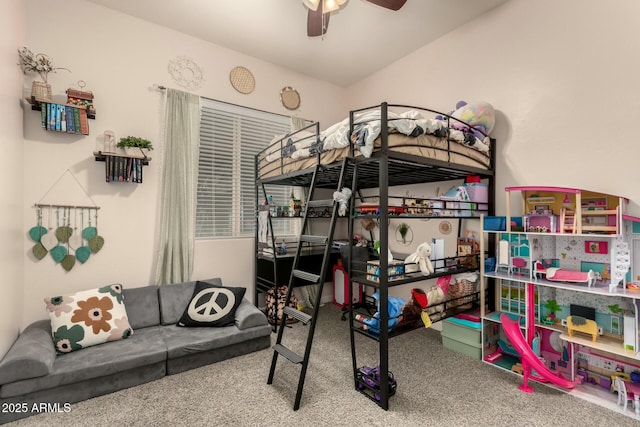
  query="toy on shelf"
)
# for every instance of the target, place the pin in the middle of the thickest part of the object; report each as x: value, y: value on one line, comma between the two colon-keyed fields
x: 420, y: 260
x: 580, y: 211
x: 581, y: 324
x: 564, y: 275
x: 395, y: 305
x: 530, y: 360
x: 553, y: 307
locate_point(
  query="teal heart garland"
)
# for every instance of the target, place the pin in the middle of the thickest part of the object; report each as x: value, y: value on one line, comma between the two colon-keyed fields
x: 65, y: 244
x: 58, y: 253
x: 37, y: 232
x: 89, y: 232
x: 82, y: 254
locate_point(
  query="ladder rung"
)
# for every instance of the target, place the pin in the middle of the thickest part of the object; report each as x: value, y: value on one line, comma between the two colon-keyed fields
x: 313, y: 239
x: 320, y: 203
x: 296, y: 314
x: 305, y: 275
x: 295, y: 358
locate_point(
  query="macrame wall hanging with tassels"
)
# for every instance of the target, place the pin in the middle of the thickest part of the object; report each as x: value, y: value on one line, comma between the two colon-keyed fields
x: 67, y: 232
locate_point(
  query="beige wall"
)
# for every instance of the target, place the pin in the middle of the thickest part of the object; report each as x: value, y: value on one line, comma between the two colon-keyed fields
x: 12, y: 232
x: 562, y: 75
x: 120, y: 58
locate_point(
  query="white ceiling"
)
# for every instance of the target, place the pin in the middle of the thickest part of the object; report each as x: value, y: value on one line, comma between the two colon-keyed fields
x: 362, y: 37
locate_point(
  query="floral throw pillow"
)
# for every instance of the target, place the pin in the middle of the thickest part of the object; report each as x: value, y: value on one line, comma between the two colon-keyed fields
x: 88, y: 318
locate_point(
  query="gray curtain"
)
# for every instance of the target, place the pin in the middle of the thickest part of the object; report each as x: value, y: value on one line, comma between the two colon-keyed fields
x: 178, y: 188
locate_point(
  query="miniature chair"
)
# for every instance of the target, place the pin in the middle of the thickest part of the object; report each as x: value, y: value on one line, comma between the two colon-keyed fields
x: 502, y: 263
x: 622, y: 375
x: 622, y: 393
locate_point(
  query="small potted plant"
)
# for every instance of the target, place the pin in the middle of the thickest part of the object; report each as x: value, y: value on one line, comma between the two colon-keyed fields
x: 41, y: 64
x: 134, y: 145
x: 553, y: 307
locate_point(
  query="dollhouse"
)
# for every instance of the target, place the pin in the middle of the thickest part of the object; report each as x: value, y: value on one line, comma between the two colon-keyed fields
x: 563, y: 292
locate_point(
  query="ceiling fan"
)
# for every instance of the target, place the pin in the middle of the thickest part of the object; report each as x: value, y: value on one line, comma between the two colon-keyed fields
x: 320, y: 11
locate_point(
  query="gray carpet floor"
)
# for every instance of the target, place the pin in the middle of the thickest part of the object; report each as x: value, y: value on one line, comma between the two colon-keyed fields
x: 436, y: 387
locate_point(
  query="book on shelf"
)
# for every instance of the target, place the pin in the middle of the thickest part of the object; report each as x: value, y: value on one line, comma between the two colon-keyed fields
x: 51, y: 124
x: 71, y: 128
x: 76, y: 119
x: 43, y: 114
x: 63, y: 118
x: 58, y: 118
x: 84, y: 121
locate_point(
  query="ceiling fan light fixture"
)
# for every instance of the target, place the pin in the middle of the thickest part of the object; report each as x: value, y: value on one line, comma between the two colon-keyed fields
x: 312, y: 4
x: 330, y: 5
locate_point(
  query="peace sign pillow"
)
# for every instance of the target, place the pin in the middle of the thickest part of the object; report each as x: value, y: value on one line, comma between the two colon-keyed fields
x: 212, y: 305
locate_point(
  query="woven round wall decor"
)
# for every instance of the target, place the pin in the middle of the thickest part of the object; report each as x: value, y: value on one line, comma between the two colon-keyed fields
x: 242, y: 80
x: 290, y: 98
x: 445, y: 227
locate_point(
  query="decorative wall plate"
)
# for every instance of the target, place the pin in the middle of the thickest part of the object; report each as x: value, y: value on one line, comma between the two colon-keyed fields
x: 445, y: 227
x: 185, y: 73
x: 242, y: 80
x: 290, y: 98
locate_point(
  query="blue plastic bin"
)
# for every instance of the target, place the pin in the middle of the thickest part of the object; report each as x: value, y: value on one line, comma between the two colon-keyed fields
x: 495, y: 223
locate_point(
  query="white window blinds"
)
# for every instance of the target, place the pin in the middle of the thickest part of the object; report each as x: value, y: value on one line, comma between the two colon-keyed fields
x: 230, y: 137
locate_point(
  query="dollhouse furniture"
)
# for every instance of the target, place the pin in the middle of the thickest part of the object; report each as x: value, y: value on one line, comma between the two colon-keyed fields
x: 544, y: 223
x: 628, y: 391
x: 588, y: 327
x: 563, y: 275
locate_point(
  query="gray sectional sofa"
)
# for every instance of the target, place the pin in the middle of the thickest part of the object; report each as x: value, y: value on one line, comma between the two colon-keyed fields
x: 31, y: 372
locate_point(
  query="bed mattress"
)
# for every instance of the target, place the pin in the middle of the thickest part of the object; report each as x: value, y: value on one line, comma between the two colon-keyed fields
x: 425, y: 146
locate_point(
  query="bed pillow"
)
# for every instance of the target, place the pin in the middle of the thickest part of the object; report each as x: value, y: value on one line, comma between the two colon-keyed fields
x: 88, y: 318
x: 212, y: 305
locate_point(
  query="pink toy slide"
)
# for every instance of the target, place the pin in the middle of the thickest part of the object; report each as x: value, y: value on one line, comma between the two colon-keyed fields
x: 512, y: 329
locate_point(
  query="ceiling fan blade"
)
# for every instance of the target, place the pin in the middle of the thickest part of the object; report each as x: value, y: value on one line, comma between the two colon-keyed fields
x: 389, y: 4
x: 316, y: 25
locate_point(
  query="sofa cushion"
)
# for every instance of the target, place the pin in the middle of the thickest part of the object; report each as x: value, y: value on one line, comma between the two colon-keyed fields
x: 146, y: 347
x: 88, y: 318
x: 32, y: 355
x: 175, y: 297
x: 212, y: 305
x: 249, y: 316
x: 142, y: 306
x: 187, y: 341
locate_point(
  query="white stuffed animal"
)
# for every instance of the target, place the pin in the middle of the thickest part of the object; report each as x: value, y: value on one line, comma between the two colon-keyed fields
x: 419, y: 259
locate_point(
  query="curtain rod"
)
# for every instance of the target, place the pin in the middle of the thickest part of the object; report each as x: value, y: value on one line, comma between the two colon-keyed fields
x: 161, y: 87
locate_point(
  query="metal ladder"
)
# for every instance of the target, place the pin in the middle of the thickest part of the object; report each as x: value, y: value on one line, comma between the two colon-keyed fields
x: 311, y: 278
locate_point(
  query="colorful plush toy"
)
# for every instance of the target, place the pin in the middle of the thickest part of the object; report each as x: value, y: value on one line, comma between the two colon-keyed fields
x: 412, y: 310
x: 479, y: 115
x: 419, y: 260
x: 394, y: 307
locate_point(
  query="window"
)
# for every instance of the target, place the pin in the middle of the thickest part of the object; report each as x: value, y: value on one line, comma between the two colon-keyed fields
x: 230, y: 137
